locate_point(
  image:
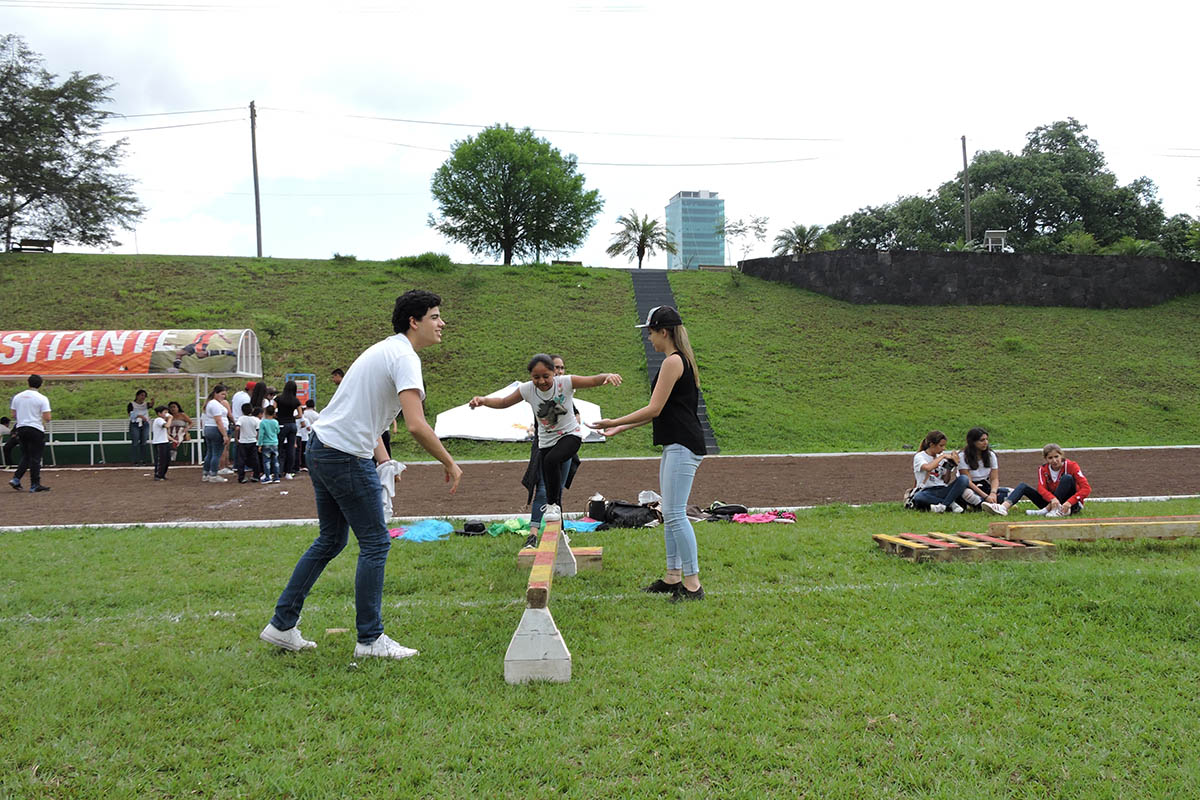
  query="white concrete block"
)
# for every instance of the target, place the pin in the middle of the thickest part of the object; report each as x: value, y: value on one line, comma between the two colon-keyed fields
x: 537, y: 651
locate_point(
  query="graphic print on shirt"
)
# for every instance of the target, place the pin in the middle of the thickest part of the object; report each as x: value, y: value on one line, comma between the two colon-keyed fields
x: 550, y: 411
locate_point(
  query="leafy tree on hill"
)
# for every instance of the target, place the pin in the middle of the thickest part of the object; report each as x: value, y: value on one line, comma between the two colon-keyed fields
x: 639, y: 237
x: 1057, y: 185
x: 506, y: 192
x: 58, y: 179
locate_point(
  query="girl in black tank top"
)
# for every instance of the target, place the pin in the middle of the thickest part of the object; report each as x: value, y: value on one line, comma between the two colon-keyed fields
x: 674, y: 397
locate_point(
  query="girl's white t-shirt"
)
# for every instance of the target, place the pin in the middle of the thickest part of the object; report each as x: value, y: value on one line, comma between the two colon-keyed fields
x: 553, y: 410
x: 980, y: 473
x: 926, y: 480
x: 158, y: 431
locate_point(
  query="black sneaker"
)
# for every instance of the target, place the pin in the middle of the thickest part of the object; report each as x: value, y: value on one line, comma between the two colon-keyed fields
x: 16, y: 484
x: 685, y: 594
x: 39, y: 488
x: 662, y: 587
x: 530, y: 542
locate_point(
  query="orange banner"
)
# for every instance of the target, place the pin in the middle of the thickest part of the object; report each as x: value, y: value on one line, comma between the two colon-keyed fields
x: 118, y: 353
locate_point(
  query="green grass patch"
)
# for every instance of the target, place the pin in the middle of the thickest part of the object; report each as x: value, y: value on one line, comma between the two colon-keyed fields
x: 817, y: 667
x: 784, y: 370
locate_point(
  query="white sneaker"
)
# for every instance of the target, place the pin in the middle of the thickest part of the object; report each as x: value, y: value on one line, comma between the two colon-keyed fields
x: 1061, y: 511
x: 996, y: 508
x: 956, y: 508
x: 290, y: 476
x: 938, y: 508
x: 551, y: 513
x: 217, y: 479
x: 226, y: 471
x: 288, y: 640
x: 383, y: 647
x: 1037, y: 512
x: 204, y: 479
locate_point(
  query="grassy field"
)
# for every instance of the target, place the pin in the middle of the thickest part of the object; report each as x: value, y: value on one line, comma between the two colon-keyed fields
x: 817, y: 667
x: 784, y: 370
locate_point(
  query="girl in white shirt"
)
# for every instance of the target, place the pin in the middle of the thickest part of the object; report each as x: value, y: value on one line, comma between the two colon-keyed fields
x: 931, y: 466
x: 979, y: 464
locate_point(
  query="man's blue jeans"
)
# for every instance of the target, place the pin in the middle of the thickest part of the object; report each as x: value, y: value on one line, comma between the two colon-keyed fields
x: 347, y: 489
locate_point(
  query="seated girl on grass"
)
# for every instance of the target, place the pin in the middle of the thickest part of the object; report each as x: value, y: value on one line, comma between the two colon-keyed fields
x: 1061, y: 488
x: 932, y: 466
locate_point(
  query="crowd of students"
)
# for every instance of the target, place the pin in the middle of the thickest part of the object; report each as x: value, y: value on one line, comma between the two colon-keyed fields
x: 272, y: 431
x: 957, y: 480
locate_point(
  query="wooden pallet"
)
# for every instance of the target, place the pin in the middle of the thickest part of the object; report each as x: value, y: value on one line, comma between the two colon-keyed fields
x: 1089, y: 530
x: 962, y: 546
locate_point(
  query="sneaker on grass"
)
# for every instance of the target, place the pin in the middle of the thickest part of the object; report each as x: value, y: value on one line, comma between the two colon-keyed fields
x: 383, y: 647
x: 938, y: 508
x: 288, y: 640
x: 996, y: 508
x: 956, y: 508
x: 1037, y: 512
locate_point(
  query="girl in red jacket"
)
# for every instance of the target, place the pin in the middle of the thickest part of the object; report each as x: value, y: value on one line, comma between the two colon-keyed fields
x: 1061, y: 488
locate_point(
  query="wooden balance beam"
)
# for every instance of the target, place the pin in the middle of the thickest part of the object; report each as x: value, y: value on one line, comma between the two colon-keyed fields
x: 1087, y: 530
x: 537, y: 651
x: 589, y: 558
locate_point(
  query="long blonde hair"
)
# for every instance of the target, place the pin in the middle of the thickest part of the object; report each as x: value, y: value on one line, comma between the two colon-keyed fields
x: 679, y: 337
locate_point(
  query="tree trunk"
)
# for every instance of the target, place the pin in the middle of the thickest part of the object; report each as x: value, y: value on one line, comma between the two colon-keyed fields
x: 508, y: 256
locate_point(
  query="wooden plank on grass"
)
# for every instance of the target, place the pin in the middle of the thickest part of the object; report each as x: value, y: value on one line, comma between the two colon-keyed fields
x: 923, y: 539
x: 1111, y: 528
x: 957, y: 539
x: 585, y: 557
x: 541, y: 575
x: 991, y: 539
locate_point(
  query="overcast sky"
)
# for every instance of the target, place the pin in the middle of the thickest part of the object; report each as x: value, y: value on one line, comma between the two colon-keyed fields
x: 868, y: 101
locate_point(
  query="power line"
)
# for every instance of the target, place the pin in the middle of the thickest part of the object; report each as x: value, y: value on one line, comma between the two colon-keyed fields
x: 714, y: 164
x: 167, y: 127
x: 558, y: 130
x: 174, y: 113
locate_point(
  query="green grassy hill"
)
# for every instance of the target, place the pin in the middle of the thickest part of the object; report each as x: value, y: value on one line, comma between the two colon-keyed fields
x: 784, y: 370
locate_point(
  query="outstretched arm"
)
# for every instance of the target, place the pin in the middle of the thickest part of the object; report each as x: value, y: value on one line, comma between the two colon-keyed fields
x: 671, y: 371
x: 588, y: 381
x: 495, y: 402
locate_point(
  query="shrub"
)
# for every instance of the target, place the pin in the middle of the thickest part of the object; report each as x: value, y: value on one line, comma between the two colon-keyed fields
x: 430, y: 262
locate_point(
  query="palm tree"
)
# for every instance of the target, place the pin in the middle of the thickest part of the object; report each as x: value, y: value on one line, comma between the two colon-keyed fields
x: 639, y: 237
x: 798, y: 239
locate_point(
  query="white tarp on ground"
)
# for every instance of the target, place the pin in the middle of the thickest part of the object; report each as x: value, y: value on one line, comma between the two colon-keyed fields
x: 512, y: 424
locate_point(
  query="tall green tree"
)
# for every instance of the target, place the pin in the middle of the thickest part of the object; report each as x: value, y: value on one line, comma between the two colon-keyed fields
x: 506, y: 192
x: 638, y: 237
x: 58, y: 177
x: 740, y: 230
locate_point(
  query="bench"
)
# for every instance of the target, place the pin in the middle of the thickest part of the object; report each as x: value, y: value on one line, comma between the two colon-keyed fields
x: 33, y: 246
x: 537, y: 651
x: 96, y: 433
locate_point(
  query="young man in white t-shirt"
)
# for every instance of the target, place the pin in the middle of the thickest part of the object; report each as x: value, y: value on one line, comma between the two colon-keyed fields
x: 382, y: 381
x: 31, y: 411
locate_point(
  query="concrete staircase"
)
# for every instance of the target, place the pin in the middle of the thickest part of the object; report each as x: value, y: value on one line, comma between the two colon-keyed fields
x: 651, y: 288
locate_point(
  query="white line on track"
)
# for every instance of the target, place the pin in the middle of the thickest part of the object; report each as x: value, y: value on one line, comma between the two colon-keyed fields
x: 312, y: 522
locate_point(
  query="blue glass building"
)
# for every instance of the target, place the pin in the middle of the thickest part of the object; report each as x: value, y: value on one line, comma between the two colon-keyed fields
x: 692, y: 219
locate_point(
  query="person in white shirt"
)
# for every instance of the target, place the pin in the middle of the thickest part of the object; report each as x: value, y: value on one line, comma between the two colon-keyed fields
x: 305, y: 422
x: 31, y: 411
x: 385, y: 379
x: 240, y: 398
x: 932, y: 465
x: 978, y: 462
x: 161, y: 442
x: 247, y: 426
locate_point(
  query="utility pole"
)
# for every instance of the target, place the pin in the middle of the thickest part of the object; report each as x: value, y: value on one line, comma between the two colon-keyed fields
x: 966, y: 193
x: 254, y: 161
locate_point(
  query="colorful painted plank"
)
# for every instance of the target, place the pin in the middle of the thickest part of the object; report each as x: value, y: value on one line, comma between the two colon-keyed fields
x: 585, y: 557
x: 541, y: 575
x: 992, y: 540
x: 929, y: 540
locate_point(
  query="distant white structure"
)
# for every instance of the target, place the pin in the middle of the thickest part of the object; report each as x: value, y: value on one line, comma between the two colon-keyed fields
x: 995, y: 241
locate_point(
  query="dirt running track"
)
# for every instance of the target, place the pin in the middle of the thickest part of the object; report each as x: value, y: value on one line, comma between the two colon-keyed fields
x: 112, y: 494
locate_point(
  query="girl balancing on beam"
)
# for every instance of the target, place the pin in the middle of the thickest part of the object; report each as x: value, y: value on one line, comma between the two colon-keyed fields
x: 559, y: 432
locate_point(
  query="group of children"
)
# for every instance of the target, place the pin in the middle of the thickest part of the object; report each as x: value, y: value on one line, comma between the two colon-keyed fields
x: 258, y: 441
x: 948, y: 480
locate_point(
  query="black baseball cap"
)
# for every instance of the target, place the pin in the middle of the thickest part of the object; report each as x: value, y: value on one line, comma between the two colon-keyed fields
x: 662, y: 317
